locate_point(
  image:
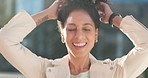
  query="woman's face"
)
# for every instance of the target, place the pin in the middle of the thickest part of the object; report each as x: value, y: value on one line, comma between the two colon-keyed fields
x: 79, y: 33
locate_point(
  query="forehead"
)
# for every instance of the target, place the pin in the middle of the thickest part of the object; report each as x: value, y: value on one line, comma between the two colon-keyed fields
x: 79, y: 16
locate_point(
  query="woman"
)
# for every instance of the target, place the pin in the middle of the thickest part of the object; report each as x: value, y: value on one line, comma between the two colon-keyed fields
x: 78, y: 23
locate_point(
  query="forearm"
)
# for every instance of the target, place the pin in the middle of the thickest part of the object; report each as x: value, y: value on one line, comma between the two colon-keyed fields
x: 116, y: 21
x: 135, y: 62
x: 40, y: 17
x: 135, y: 31
x: 47, y: 14
x: 18, y: 27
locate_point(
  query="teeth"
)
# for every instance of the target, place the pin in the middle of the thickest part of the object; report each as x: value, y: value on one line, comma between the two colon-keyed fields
x: 79, y: 44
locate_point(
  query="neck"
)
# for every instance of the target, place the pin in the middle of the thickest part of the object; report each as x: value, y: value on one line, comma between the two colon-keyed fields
x: 79, y: 64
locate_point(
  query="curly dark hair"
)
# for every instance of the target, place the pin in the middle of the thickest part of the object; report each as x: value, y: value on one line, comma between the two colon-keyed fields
x: 88, y: 6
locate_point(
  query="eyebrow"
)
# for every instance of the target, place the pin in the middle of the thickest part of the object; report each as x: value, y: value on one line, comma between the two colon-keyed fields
x: 83, y: 24
x: 72, y: 24
x: 88, y: 24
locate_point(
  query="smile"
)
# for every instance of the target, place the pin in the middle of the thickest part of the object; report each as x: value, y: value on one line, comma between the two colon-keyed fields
x: 79, y: 44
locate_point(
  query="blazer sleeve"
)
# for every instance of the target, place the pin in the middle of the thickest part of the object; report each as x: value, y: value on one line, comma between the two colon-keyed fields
x: 11, y: 36
x: 136, y: 61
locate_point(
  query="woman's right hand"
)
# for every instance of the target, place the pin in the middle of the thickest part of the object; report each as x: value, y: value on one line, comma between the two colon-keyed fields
x: 48, y: 14
x: 53, y: 9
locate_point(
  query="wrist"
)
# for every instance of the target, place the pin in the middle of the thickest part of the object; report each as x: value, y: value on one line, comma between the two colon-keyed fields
x: 111, y: 17
x: 114, y: 19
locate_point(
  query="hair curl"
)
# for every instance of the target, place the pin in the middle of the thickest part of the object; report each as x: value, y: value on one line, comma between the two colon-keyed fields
x: 89, y: 6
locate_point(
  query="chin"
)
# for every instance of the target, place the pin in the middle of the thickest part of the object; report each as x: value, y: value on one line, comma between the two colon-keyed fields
x: 79, y: 55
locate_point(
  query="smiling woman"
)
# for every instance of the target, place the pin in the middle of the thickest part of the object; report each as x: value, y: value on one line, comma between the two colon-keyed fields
x: 80, y: 39
x: 79, y: 33
x: 79, y: 25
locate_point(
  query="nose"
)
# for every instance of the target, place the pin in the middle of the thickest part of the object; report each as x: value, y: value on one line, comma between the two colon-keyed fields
x: 79, y: 35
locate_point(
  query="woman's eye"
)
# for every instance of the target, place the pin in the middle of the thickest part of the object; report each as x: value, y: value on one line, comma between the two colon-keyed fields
x: 71, y: 29
x: 86, y: 29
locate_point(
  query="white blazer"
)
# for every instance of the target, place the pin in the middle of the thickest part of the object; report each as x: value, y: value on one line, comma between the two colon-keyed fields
x: 33, y: 66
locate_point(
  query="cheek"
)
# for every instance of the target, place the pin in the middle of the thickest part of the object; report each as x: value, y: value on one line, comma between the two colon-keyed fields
x: 91, y: 35
x: 92, y: 39
x: 67, y: 36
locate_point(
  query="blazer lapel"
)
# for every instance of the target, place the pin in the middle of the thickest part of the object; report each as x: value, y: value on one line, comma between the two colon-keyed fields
x: 98, y: 69
x: 101, y: 69
x: 60, y: 69
x: 58, y: 72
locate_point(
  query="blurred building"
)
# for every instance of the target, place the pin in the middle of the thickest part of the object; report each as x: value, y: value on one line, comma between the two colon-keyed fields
x: 45, y: 39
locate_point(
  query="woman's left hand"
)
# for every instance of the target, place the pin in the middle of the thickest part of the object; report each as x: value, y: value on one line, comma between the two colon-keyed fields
x: 104, y: 12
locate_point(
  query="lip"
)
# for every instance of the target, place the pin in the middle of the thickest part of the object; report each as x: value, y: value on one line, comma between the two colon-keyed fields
x: 79, y: 45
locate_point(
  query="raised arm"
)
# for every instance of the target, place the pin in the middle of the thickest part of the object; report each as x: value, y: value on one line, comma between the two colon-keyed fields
x: 135, y: 62
x: 13, y: 33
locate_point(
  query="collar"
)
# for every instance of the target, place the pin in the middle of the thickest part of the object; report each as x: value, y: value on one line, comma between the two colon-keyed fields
x: 65, y: 61
x: 61, y: 69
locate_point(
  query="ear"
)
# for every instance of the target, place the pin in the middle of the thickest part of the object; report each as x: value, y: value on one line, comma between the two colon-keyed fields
x: 62, y: 38
x: 96, y: 35
x: 61, y: 31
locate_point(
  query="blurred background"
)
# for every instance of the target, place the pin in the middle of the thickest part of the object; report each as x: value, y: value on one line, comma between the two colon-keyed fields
x: 45, y: 39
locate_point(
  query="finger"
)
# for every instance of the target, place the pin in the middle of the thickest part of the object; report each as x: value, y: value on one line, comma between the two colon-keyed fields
x: 101, y: 14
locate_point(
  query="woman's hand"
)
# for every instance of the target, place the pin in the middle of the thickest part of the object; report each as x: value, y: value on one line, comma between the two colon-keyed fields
x: 105, y: 12
x: 47, y: 14
x: 53, y: 9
